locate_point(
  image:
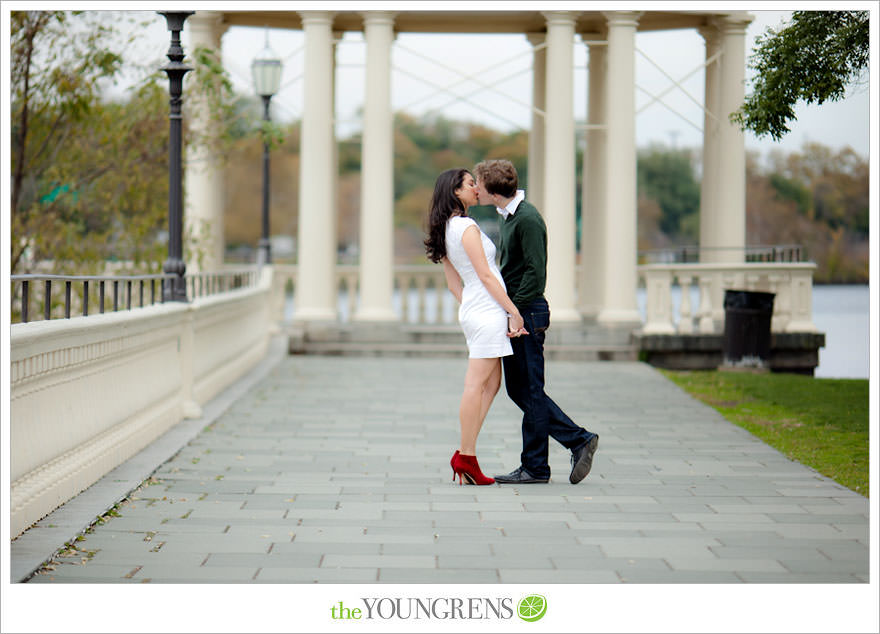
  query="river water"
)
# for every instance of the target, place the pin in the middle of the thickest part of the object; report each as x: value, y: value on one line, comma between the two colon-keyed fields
x: 843, y: 314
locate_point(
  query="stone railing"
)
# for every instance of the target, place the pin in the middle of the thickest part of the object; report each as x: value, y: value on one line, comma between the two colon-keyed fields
x: 792, y: 282
x: 87, y: 393
x: 416, y: 300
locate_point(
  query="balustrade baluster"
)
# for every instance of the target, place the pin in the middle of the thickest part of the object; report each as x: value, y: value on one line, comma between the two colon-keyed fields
x: 403, y: 290
x: 438, y: 304
x: 101, y: 296
x: 128, y: 294
x: 85, y: 298
x: 141, y: 293
x: 115, y: 295
x: 421, y: 282
x: 685, y: 311
x: 707, y: 325
x: 352, y: 294
x: 67, y: 284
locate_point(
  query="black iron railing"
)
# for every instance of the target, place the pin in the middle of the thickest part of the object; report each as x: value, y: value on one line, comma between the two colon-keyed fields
x: 696, y: 254
x: 85, y: 295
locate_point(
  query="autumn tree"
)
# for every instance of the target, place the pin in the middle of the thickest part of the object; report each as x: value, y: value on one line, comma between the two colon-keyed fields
x: 813, y: 58
x: 90, y: 174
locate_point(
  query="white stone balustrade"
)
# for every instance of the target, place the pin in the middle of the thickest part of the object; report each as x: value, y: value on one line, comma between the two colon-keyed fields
x: 413, y: 283
x: 87, y: 393
x: 792, y: 283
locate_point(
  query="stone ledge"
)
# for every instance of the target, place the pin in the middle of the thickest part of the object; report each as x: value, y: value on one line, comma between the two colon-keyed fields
x: 796, y: 352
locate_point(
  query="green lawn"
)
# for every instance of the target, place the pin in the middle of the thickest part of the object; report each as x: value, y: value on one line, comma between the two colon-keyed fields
x: 822, y: 423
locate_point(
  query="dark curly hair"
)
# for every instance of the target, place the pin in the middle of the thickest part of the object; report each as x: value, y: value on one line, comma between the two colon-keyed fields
x: 444, y: 204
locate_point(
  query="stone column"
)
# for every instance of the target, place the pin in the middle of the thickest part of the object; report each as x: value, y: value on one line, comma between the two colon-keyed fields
x: 592, y: 272
x: 620, y: 236
x: 731, y: 164
x: 535, y: 185
x: 709, y: 209
x: 316, y: 242
x: 377, y: 174
x: 204, y: 183
x: 559, y: 167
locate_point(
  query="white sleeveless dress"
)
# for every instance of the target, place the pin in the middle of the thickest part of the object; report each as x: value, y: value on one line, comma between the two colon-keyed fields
x: 482, y: 319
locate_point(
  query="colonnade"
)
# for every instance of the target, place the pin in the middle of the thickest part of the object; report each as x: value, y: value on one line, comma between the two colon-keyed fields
x: 603, y: 288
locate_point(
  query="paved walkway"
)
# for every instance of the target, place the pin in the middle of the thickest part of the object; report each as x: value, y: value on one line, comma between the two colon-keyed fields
x: 336, y: 469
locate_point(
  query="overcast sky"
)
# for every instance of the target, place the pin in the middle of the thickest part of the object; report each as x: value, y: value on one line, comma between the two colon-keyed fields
x: 505, y: 105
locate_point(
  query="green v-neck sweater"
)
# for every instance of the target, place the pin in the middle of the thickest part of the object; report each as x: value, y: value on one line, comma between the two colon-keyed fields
x: 523, y: 254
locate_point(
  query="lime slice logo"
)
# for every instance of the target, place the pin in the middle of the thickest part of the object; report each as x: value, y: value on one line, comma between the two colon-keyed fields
x: 532, y: 608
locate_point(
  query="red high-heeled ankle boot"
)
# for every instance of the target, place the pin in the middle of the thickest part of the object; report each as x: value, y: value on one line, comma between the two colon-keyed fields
x: 469, y: 469
x: 453, y: 462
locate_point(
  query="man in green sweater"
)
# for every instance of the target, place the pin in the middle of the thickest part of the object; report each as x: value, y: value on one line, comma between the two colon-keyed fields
x: 523, y: 265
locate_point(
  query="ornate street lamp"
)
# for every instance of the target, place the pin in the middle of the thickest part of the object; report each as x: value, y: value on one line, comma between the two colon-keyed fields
x: 175, y: 290
x: 266, y: 69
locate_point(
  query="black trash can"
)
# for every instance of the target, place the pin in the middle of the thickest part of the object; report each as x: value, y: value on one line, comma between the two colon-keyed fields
x: 747, y: 316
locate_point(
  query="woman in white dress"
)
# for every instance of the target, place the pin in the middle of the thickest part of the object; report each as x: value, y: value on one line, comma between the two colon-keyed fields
x: 487, y: 315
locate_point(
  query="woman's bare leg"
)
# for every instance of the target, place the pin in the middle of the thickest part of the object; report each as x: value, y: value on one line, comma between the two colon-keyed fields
x: 472, y: 412
x: 490, y: 390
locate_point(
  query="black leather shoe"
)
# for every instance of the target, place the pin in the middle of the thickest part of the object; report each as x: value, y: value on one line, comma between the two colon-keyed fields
x: 519, y: 476
x: 582, y: 460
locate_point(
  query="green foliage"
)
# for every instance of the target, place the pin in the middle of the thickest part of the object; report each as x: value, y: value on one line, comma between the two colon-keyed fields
x: 90, y: 175
x: 817, y: 198
x: 667, y: 176
x: 792, y: 190
x: 822, y: 423
x: 82, y: 170
x: 814, y: 58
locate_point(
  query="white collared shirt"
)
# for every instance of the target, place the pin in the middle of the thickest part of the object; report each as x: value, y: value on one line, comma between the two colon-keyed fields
x: 510, y: 209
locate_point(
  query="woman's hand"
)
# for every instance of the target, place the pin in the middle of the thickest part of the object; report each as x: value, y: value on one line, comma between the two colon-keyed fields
x: 515, y: 325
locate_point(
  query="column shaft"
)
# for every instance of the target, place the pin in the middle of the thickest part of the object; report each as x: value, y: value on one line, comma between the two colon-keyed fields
x: 316, y: 272
x: 535, y: 184
x: 709, y: 207
x: 619, y: 294
x: 377, y: 175
x: 731, y: 182
x: 204, y: 183
x: 592, y: 272
x: 559, y: 167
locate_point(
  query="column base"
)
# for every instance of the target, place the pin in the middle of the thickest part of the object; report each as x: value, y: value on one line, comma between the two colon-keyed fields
x: 376, y: 315
x: 314, y: 314
x: 619, y: 317
x: 564, y: 315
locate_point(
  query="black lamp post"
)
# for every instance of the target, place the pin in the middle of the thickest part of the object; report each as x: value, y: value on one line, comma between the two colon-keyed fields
x: 266, y: 69
x: 175, y: 291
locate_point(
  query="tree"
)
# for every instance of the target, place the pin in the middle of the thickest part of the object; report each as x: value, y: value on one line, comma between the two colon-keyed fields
x: 667, y: 176
x: 813, y: 58
x: 89, y: 175
x: 58, y: 63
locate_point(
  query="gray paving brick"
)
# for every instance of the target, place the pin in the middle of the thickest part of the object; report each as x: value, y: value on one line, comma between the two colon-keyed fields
x: 268, y: 560
x: 529, y: 576
x: 190, y: 574
x: 410, y: 576
x: 731, y: 565
x: 322, y: 548
x: 378, y: 561
x: 318, y: 575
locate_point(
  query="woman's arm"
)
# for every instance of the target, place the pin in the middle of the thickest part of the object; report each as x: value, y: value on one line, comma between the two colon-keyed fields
x: 473, y: 246
x: 453, y: 281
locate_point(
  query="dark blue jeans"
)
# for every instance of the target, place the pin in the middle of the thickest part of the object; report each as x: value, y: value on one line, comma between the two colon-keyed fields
x: 524, y: 379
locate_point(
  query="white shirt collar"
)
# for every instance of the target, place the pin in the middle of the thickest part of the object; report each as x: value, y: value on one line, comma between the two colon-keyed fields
x: 510, y: 209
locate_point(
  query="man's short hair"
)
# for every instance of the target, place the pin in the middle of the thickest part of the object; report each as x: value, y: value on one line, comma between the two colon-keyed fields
x: 498, y: 176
